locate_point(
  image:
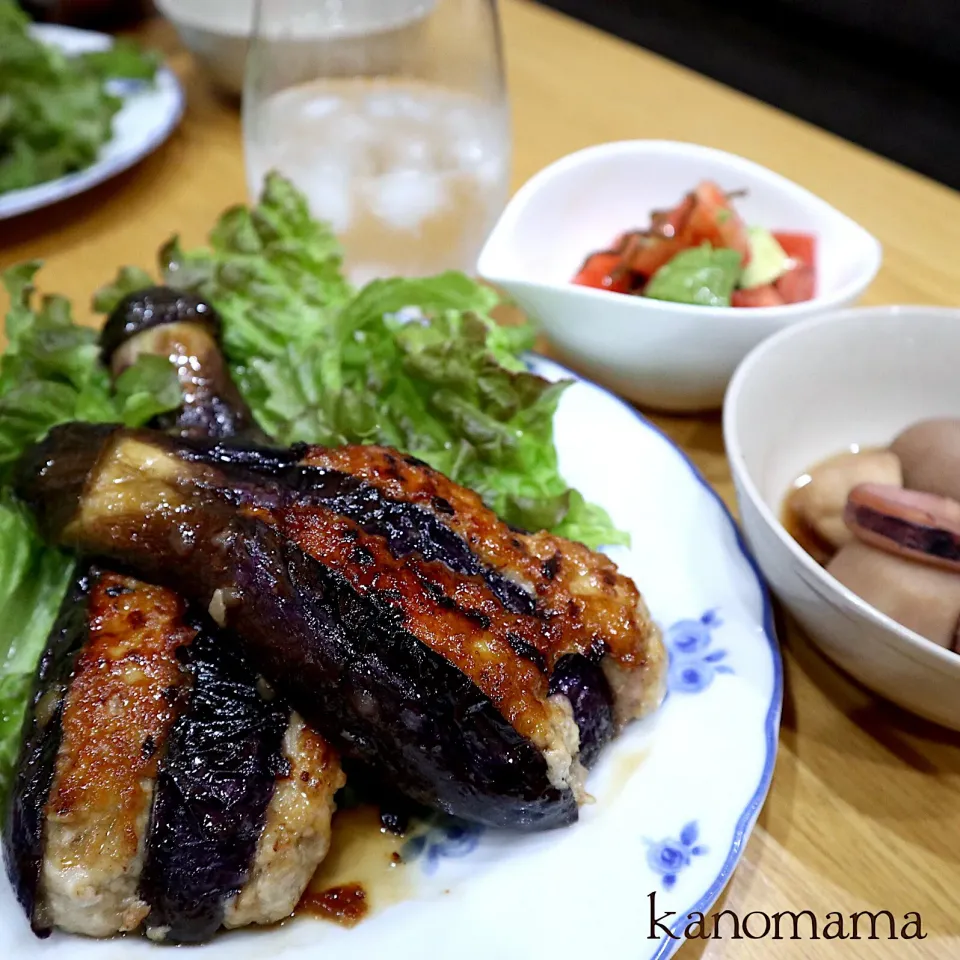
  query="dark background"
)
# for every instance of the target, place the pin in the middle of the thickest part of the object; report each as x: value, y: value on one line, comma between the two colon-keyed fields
x: 883, y: 73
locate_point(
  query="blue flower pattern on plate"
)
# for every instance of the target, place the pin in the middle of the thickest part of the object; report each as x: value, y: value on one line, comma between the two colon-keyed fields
x: 444, y: 838
x: 668, y: 857
x: 693, y: 664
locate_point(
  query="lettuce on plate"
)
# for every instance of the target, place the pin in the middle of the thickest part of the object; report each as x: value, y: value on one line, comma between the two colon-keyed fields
x: 56, y: 111
x: 417, y: 364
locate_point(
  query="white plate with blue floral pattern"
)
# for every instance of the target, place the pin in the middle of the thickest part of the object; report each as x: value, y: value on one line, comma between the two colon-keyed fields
x: 149, y: 114
x: 675, y: 797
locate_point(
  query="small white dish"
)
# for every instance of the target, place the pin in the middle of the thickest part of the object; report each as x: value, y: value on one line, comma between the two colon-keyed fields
x: 371, y: 40
x: 855, y: 377
x: 148, y: 116
x: 663, y: 355
x: 217, y: 33
x: 676, y: 795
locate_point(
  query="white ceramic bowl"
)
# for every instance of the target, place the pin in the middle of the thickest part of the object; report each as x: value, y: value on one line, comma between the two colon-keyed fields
x: 664, y: 355
x: 217, y: 33
x: 858, y: 376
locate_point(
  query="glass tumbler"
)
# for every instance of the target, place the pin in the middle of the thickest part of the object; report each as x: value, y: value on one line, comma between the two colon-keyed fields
x: 391, y: 116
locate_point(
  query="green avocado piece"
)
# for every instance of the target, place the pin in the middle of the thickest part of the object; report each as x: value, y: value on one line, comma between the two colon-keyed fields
x: 768, y: 260
x: 702, y: 275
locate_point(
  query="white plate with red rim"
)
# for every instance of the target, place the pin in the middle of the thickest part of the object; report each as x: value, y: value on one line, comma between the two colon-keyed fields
x: 149, y: 114
x: 675, y: 797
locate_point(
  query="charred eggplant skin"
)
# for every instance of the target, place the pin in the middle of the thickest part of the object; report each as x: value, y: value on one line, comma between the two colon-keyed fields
x: 345, y: 661
x: 155, y: 307
x: 407, y: 528
x: 582, y: 682
x: 212, y: 792
x: 342, y: 659
x: 26, y: 805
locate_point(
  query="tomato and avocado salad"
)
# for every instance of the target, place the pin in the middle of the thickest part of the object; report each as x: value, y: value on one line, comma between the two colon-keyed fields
x: 702, y: 252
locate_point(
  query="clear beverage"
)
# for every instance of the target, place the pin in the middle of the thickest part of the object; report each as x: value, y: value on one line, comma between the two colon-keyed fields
x: 411, y: 175
x: 391, y: 116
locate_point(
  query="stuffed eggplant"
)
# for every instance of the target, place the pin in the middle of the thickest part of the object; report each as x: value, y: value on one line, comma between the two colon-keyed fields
x: 583, y: 608
x: 160, y: 782
x: 465, y: 662
x: 104, y: 713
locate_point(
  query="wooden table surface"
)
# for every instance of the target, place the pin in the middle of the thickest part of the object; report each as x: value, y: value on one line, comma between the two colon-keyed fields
x: 863, y: 813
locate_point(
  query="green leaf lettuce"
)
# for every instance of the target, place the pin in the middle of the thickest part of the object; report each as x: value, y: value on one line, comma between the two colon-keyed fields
x: 417, y: 364
x: 56, y: 112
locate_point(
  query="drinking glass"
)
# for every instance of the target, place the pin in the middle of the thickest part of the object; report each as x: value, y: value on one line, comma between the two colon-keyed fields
x: 391, y: 116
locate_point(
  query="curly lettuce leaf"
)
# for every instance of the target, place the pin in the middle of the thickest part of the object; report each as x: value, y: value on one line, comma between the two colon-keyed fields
x: 50, y: 373
x: 273, y: 272
x: 33, y: 580
x: 56, y: 112
x: 128, y: 280
x: 418, y: 364
x: 446, y: 385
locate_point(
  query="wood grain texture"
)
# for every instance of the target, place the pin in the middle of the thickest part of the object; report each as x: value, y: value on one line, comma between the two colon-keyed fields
x: 863, y: 812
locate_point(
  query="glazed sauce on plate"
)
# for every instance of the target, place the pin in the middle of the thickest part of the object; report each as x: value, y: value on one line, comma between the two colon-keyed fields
x: 623, y: 766
x: 346, y: 905
x: 362, y: 873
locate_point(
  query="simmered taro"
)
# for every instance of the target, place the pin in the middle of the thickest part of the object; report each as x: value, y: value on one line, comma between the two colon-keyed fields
x: 886, y: 524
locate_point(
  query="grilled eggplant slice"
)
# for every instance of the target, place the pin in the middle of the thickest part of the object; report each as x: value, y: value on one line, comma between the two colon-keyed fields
x: 155, y: 711
x: 405, y: 661
x: 587, y: 613
x: 593, y: 611
x: 213, y: 789
x: 243, y: 806
x: 105, y: 697
x: 296, y: 833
